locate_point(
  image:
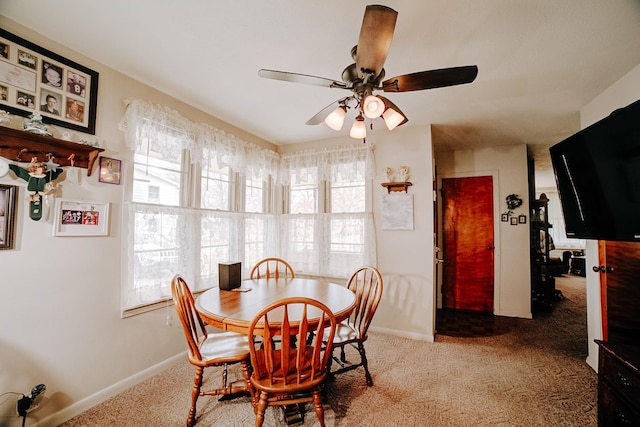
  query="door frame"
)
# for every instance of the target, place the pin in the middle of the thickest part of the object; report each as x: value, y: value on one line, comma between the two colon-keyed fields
x: 437, y: 267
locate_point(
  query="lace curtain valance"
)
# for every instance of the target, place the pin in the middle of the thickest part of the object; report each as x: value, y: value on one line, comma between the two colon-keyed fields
x: 145, y: 121
x: 332, y: 164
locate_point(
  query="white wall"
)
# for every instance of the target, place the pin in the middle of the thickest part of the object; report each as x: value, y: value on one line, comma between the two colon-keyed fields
x: 508, y: 165
x: 620, y: 94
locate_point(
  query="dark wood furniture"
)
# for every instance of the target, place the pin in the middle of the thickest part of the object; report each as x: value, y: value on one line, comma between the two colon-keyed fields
x: 291, y: 369
x: 618, y: 384
x: 619, y: 354
x: 543, y: 283
x: 206, y: 350
x: 23, y: 146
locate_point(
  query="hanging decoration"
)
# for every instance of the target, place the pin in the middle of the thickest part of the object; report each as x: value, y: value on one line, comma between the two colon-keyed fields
x: 39, y: 177
x: 513, y: 202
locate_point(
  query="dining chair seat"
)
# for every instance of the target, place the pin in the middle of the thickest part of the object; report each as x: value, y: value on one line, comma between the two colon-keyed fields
x: 224, y: 347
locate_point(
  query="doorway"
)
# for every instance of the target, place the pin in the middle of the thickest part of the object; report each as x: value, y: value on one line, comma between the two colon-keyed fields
x: 468, y: 244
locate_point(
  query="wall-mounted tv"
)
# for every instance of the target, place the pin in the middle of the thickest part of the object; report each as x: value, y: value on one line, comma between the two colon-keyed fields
x: 597, y: 172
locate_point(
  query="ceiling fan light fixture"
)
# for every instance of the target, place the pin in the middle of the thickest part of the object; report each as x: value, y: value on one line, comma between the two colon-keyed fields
x: 373, y: 107
x: 392, y: 118
x: 358, y: 130
x: 335, y: 120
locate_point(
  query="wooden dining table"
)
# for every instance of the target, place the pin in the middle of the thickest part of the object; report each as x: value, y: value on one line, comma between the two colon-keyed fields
x: 234, y: 310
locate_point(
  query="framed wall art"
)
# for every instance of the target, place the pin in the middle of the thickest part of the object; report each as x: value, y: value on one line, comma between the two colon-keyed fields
x: 109, y: 170
x: 7, y: 215
x: 32, y: 79
x: 81, y: 218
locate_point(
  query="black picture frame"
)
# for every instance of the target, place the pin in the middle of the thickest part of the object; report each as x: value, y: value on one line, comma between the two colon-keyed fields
x: 7, y: 215
x: 522, y: 219
x: 504, y: 217
x: 24, y: 67
x: 514, y: 220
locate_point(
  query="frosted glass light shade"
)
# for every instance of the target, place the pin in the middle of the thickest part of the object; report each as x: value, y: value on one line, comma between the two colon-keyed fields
x: 358, y: 130
x: 335, y: 120
x: 392, y: 118
x: 373, y: 107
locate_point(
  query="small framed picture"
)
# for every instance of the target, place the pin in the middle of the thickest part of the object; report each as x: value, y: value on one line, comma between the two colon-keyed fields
x: 7, y: 215
x: 514, y: 220
x: 522, y: 219
x: 81, y: 218
x: 504, y: 217
x: 109, y: 170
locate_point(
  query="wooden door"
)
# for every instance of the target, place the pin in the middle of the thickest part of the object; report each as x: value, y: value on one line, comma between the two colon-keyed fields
x: 468, y: 278
x: 619, y: 290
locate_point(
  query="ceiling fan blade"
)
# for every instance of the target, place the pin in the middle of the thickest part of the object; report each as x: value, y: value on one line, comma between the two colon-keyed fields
x: 375, y: 38
x: 322, y: 114
x: 300, y: 78
x: 431, y: 79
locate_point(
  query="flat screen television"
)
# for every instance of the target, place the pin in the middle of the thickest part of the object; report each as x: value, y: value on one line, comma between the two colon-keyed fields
x: 597, y: 173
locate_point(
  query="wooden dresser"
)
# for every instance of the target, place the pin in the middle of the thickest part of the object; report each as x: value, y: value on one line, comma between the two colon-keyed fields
x: 619, y: 355
x: 618, y: 384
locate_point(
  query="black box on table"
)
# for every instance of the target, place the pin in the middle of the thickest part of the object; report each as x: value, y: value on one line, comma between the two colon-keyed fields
x: 229, y: 275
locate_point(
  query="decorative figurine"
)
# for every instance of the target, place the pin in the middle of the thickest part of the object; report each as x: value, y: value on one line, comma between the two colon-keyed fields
x: 37, y: 176
x: 403, y: 173
x: 35, y: 125
x: 389, y: 174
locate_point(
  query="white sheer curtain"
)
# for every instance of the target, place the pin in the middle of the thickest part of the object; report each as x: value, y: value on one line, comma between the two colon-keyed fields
x: 169, y: 235
x: 145, y: 121
x: 329, y: 244
x: 348, y: 160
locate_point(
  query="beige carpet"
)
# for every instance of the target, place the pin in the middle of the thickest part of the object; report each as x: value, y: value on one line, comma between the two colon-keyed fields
x: 529, y: 373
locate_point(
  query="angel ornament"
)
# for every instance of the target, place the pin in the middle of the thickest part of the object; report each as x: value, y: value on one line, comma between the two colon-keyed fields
x: 388, y: 172
x: 403, y: 173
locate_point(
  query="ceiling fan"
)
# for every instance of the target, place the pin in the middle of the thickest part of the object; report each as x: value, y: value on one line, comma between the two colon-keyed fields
x: 366, y: 76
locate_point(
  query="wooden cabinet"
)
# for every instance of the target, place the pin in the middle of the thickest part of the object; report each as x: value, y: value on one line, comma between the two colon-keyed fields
x: 619, y: 363
x: 618, y: 384
x: 542, y: 282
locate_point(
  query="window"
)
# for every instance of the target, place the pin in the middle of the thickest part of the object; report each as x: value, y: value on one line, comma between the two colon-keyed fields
x: 329, y: 228
x: 200, y: 197
x: 186, y: 216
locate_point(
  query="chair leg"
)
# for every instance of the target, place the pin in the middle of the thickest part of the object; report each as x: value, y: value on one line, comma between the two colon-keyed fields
x: 246, y: 374
x: 317, y: 403
x: 365, y: 364
x: 197, y: 384
x: 260, y: 408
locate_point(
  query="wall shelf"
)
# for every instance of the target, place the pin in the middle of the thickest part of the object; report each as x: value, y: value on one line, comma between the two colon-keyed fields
x: 21, y: 146
x: 396, y: 186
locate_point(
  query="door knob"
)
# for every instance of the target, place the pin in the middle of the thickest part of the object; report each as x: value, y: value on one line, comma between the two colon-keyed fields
x: 602, y: 269
x: 490, y: 247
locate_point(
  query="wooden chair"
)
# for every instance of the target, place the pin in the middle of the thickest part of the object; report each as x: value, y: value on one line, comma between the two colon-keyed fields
x: 292, y: 370
x: 207, y: 350
x: 366, y: 283
x: 272, y: 268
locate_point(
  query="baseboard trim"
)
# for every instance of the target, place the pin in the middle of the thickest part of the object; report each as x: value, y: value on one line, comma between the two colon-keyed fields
x: 88, y: 402
x: 404, y: 334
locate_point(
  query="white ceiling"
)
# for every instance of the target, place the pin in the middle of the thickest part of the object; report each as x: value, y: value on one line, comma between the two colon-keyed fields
x: 539, y: 61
